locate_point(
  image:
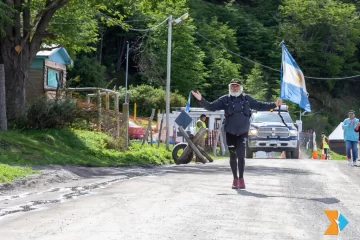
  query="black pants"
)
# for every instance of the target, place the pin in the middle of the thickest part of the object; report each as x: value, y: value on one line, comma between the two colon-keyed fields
x: 326, y: 152
x: 236, y: 145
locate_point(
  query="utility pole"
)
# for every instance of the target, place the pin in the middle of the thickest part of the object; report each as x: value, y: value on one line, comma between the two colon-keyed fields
x: 3, y: 118
x: 168, y: 70
x: 127, y: 72
x: 126, y: 104
x: 168, y: 82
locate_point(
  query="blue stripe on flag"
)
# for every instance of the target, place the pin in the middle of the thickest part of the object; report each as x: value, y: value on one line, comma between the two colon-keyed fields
x: 295, y: 94
x: 288, y: 58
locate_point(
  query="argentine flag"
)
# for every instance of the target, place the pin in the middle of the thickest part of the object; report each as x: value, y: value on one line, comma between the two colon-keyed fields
x: 292, y: 81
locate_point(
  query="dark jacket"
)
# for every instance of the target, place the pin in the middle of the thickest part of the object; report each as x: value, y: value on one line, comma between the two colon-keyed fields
x: 358, y: 132
x: 237, y: 111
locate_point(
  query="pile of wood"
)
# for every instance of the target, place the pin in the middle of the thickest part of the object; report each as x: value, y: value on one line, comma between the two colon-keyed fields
x: 192, y: 146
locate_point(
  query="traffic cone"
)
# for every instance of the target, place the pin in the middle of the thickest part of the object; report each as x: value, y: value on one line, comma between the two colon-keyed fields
x: 299, y: 153
x: 315, y: 155
x: 283, y: 154
x: 322, y: 154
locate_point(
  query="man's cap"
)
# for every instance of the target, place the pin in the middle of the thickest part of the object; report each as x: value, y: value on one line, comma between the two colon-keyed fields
x: 323, y: 133
x: 235, y: 81
x: 351, y: 112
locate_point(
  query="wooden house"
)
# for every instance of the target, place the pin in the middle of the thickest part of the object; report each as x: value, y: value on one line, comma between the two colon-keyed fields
x: 47, y: 73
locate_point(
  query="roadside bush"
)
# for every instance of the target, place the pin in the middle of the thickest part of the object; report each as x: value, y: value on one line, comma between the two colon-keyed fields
x: 50, y: 113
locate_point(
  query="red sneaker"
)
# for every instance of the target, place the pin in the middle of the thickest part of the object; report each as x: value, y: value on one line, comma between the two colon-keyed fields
x: 235, y: 184
x: 241, y: 183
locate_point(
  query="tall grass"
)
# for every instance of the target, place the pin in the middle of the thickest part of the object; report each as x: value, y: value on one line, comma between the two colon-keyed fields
x: 74, y: 147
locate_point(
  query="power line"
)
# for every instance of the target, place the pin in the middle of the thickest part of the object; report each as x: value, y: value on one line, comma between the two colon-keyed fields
x: 273, y: 69
x: 340, y: 78
x: 215, y: 43
x: 123, y: 26
x: 219, y: 45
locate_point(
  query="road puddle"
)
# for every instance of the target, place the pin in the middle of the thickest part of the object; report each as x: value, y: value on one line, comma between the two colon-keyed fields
x: 67, y: 193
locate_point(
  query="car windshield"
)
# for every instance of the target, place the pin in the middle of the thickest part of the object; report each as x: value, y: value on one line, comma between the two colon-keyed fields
x: 260, y: 117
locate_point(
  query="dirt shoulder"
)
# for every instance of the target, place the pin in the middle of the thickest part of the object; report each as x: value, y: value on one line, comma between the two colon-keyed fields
x: 51, y: 176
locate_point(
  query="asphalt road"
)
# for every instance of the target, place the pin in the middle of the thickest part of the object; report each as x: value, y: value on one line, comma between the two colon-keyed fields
x: 284, y: 199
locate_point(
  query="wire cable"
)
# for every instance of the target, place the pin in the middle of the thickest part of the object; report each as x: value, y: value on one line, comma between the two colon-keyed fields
x: 273, y: 69
x: 214, y: 43
x: 123, y: 26
x: 232, y: 52
x: 339, y: 78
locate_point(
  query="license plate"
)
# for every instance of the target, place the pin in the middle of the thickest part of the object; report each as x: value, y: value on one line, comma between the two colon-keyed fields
x: 273, y: 141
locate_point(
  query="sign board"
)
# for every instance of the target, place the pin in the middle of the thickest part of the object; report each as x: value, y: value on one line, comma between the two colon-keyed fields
x: 183, y: 119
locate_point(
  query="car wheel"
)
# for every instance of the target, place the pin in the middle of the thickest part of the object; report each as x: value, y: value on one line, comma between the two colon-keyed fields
x: 288, y: 154
x: 295, y: 154
x: 248, y: 153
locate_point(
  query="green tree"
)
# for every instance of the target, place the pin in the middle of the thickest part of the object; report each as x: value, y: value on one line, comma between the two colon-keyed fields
x: 255, y: 84
x: 87, y: 73
x: 322, y: 36
x: 4, y: 17
x: 221, y: 65
x: 251, y: 33
x: 32, y: 24
x: 148, y: 97
x: 187, y: 68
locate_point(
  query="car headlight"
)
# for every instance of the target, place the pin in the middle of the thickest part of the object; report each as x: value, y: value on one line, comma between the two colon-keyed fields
x: 253, y: 132
x: 293, y: 133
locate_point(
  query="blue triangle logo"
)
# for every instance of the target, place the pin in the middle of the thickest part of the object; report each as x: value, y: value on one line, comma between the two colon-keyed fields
x: 342, y: 222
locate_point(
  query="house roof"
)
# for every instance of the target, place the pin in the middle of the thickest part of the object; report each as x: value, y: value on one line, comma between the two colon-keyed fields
x: 47, y: 53
x: 200, y: 110
x: 338, y: 133
x: 57, y: 54
x: 196, y: 112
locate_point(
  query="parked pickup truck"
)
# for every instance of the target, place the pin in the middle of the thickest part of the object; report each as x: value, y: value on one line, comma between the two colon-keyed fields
x: 268, y: 133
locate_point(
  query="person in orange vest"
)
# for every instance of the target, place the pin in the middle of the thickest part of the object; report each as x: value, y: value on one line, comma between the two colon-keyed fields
x: 325, y: 144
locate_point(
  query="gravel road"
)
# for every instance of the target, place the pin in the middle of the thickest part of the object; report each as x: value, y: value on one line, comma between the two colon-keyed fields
x: 284, y: 199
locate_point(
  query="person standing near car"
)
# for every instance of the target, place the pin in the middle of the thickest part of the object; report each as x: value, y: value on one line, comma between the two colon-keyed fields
x: 237, y: 107
x: 325, y: 144
x: 201, y: 123
x: 350, y: 137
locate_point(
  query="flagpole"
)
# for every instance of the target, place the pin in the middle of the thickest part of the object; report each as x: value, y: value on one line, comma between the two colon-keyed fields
x: 281, y: 42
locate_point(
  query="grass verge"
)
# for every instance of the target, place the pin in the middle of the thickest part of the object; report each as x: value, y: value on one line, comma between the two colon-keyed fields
x: 74, y: 147
x: 9, y: 173
x: 334, y: 155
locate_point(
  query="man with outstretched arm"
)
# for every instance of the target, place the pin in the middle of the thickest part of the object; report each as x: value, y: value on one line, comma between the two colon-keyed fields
x: 237, y: 107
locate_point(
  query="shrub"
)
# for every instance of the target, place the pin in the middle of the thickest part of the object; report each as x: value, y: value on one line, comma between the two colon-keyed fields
x: 50, y: 113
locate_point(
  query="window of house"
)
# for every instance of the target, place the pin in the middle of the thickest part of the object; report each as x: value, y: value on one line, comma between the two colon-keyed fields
x: 53, y: 77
